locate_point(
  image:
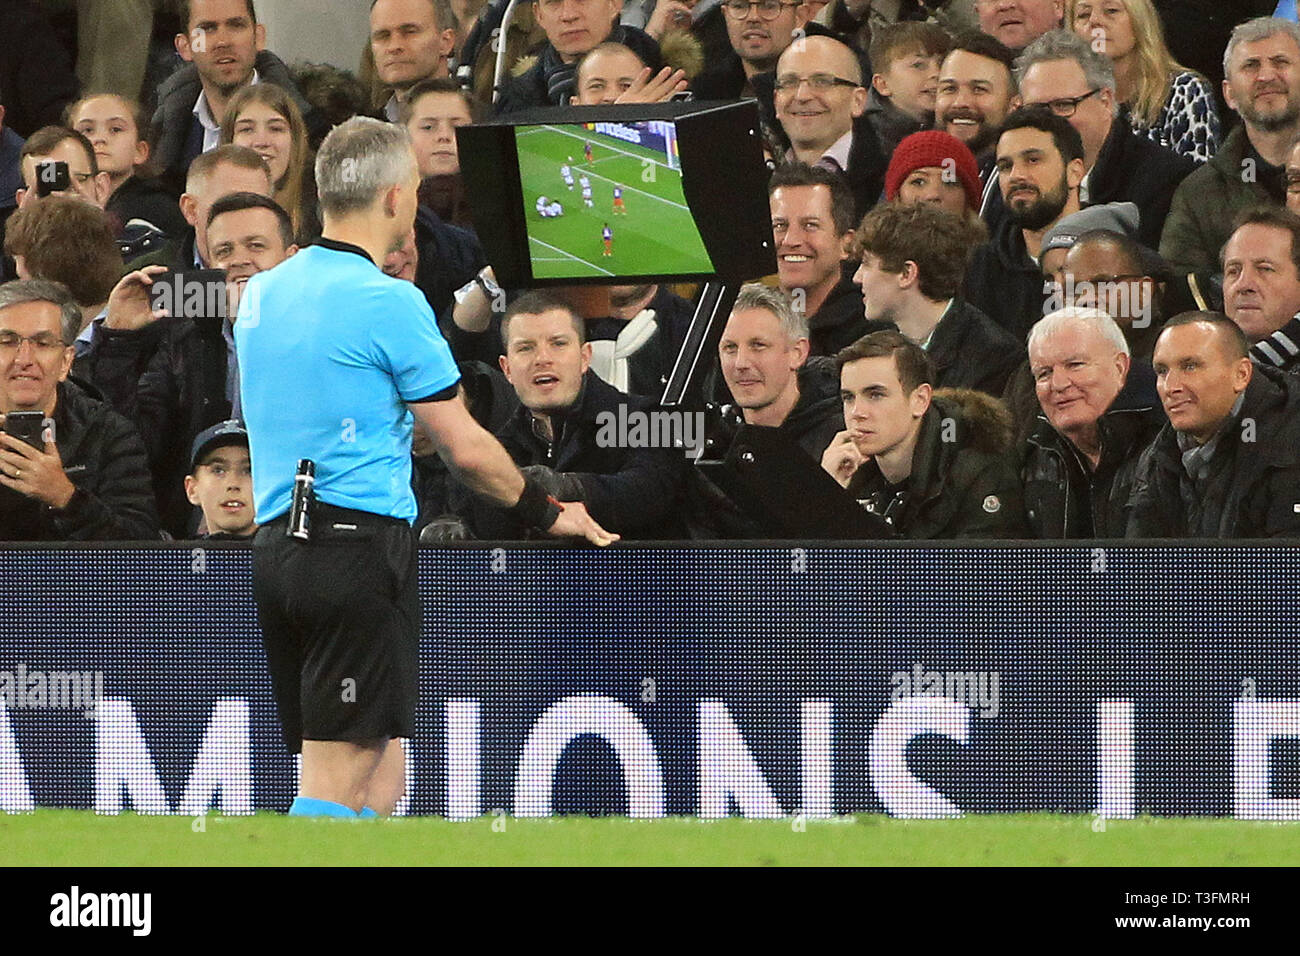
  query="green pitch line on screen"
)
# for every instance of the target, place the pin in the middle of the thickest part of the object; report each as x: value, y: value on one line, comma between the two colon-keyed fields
x: 622, y: 181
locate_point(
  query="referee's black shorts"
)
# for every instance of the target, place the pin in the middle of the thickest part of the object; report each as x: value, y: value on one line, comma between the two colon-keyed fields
x: 340, y: 619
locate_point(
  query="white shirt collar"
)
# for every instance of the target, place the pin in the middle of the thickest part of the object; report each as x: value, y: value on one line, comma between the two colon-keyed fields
x: 211, y: 128
x: 840, y: 149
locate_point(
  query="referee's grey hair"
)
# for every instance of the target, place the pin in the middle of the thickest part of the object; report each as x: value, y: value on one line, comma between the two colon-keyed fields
x: 1098, y: 71
x: 360, y: 159
x: 1074, y: 316
x: 755, y: 295
x: 22, y: 291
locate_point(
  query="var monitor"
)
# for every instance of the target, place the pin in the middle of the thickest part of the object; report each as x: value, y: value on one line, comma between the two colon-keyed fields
x: 662, y: 192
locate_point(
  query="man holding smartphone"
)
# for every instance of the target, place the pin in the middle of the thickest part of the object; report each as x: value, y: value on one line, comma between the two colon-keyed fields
x: 79, y: 473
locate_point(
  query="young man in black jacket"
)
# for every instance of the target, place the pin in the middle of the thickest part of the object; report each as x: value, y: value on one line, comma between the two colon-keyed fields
x: 929, y: 466
x: 88, y: 480
x: 576, y: 435
x: 225, y: 49
x: 913, y: 260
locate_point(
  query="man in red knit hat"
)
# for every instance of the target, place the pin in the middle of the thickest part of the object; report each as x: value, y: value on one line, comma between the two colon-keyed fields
x: 934, y: 167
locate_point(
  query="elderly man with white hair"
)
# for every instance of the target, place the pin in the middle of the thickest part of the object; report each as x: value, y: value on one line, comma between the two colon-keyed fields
x: 1078, y: 463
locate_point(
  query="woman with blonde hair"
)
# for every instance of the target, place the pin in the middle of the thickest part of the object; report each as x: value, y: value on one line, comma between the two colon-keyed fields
x: 1168, y: 103
x: 265, y: 118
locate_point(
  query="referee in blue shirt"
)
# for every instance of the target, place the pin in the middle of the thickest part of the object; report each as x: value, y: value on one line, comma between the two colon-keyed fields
x: 336, y: 360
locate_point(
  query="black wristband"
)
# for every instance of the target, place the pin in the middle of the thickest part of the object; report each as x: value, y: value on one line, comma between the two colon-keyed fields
x: 535, y: 507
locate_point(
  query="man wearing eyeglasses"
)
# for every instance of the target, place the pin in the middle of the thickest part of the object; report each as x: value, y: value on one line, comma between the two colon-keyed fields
x: 759, y: 31
x: 1061, y: 70
x: 820, y: 103
x: 573, y: 29
x: 83, y: 477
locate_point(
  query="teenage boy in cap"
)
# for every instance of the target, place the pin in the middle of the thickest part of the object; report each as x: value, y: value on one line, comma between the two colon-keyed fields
x: 220, y: 481
x: 935, y: 167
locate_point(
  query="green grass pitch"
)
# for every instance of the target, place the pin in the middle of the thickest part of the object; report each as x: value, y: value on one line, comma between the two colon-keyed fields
x: 81, y: 838
x: 655, y: 235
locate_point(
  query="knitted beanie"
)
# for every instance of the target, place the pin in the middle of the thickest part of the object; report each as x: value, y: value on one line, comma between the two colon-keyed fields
x: 933, y: 147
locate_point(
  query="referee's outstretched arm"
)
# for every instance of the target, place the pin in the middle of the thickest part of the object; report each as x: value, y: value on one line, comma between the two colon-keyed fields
x: 478, y: 459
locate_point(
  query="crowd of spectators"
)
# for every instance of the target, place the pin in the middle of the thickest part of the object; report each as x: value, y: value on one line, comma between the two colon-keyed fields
x: 1038, y: 261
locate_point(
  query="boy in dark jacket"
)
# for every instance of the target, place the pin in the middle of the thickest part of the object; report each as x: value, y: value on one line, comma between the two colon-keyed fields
x: 929, y: 465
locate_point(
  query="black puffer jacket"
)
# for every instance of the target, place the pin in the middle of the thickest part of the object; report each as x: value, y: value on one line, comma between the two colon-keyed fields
x: 813, y: 422
x: 635, y: 492
x: 173, y: 120
x: 1262, y: 495
x: 1065, y: 499
x: 104, y: 458
x: 970, y: 350
x: 169, y: 378
x: 962, y: 488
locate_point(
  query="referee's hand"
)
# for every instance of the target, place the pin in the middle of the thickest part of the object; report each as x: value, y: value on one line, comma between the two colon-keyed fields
x: 575, y: 522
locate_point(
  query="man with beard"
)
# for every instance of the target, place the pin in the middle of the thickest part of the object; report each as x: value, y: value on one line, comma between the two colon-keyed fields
x: 225, y: 49
x: 1040, y: 166
x: 976, y: 91
x: 1262, y: 65
x: 1062, y: 71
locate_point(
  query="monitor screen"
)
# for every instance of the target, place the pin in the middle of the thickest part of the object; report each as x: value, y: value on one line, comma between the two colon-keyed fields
x: 627, y: 194
x: 606, y: 199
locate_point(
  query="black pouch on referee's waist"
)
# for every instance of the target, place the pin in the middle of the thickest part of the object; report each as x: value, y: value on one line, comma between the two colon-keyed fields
x: 303, y: 502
